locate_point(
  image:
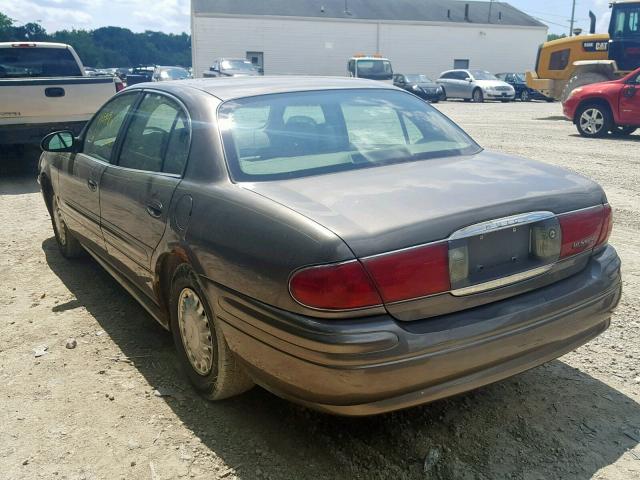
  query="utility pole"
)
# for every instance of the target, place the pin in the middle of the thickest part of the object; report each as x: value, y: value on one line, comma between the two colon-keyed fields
x: 490, y: 5
x: 573, y: 18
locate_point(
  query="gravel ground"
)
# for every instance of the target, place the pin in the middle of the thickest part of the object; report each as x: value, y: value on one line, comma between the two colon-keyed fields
x: 116, y: 406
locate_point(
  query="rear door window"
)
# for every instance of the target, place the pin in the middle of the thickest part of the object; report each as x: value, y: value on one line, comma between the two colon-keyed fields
x: 33, y: 62
x: 157, y: 130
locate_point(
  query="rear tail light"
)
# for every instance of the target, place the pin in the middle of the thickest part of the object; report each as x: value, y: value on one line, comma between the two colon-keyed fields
x: 412, y: 273
x: 341, y: 286
x: 439, y: 267
x: 23, y: 45
x: 584, y: 230
x: 607, y: 225
x: 119, y: 86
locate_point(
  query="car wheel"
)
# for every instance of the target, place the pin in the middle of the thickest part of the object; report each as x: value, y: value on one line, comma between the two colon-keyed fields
x: 593, y: 120
x: 443, y: 95
x: 202, y: 349
x: 477, y: 96
x: 623, y: 131
x: 524, y: 96
x: 68, y: 244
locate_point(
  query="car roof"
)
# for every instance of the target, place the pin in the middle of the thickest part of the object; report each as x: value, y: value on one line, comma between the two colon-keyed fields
x: 239, y: 87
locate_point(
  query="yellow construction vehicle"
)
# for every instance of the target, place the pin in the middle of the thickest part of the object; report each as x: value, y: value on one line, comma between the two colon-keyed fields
x: 569, y: 63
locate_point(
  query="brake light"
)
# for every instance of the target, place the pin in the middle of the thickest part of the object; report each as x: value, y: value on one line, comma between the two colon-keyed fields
x: 607, y: 225
x: 23, y: 45
x: 583, y: 230
x: 341, y: 286
x: 412, y: 273
x: 119, y: 86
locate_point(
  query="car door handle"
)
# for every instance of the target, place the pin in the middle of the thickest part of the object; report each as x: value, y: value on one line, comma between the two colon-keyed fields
x: 92, y: 184
x: 154, y: 208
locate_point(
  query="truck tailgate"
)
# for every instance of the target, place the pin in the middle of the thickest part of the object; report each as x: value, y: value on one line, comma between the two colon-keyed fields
x: 52, y: 100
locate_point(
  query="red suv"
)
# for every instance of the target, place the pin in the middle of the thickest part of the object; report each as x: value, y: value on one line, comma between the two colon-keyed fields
x: 600, y: 108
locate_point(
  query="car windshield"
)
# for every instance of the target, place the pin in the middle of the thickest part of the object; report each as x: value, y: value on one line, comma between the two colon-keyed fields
x: 418, y: 79
x: 245, y: 65
x: 22, y: 62
x: 519, y: 77
x: 375, y: 69
x: 483, y: 75
x: 291, y: 135
x: 174, y: 73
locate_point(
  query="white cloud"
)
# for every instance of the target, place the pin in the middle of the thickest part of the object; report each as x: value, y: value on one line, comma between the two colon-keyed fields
x: 169, y: 16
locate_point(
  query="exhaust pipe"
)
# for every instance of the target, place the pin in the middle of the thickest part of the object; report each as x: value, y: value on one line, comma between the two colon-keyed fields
x: 592, y: 17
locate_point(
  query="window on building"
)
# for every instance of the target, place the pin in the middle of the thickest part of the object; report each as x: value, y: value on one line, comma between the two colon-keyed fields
x: 559, y: 60
x: 461, y: 63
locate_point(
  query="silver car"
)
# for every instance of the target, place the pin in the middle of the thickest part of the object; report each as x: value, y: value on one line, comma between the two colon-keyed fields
x: 476, y: 85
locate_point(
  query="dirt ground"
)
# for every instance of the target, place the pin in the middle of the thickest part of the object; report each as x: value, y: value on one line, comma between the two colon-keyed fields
x: 93, y: 412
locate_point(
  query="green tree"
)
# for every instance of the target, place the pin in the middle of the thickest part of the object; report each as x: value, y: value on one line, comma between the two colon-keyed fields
x: 108, y: 46
x: 555, y: 36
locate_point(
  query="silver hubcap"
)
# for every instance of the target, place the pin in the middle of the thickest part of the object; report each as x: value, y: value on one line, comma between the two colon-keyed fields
x: 195, y: 332
x: 58, y: 223
x: 592, y: 121
x: 477, y: 95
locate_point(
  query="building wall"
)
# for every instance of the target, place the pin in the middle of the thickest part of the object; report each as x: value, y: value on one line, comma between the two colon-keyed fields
x: 295, y: 46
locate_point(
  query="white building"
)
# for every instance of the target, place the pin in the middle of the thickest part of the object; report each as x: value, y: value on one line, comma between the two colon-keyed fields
x: 317, y: 37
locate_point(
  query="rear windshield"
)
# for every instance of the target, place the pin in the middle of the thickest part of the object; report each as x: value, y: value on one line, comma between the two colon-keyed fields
x: 174, y: 74
x: 375, y: 69
x: 418, y: 79
x: 483, y: 75
x: 27, y: 62
x: 245, y: 65
x: 291, y: 135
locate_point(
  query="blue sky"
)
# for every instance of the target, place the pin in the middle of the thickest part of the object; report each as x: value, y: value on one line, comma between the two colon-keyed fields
x: 173, y: 15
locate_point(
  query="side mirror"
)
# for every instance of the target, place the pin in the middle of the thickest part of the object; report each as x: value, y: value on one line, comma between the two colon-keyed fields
x: 59, y: 142
x: 469, y: 79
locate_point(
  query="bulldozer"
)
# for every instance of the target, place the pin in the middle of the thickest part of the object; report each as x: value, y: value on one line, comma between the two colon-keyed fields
x: 568, y: 63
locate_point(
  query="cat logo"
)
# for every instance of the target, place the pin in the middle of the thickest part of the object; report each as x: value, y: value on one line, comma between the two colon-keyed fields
x: 595, y: 46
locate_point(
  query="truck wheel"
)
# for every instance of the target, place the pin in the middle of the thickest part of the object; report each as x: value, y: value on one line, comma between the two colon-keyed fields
x: 623, y: 131
x: 68, y: 244
x: 524, y: 96
x: 477, y: 96
x: 594, y: 120
x: 202, y: 349
x: 580, y: 80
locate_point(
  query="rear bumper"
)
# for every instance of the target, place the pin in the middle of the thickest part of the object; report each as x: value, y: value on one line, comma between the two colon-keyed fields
x: 29, y: 133
x: 377, y: 364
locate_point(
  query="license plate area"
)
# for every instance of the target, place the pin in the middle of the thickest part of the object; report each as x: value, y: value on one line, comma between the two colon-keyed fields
x: 504, y: 251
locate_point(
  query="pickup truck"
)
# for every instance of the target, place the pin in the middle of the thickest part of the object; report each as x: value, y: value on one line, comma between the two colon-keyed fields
x: 44, y: 88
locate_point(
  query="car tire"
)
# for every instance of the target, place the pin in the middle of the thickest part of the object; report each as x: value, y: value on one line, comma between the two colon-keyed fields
x: 466, y: 100
x: 477, y: 96
x: 443, y: 95
x: 593, y: 120
x: 525, y: 96
x: 202, y: 349
x: 68, y: 244
x: 623, y: 131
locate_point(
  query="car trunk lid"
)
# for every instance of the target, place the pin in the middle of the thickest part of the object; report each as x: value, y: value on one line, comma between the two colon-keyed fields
x: 386, y: 209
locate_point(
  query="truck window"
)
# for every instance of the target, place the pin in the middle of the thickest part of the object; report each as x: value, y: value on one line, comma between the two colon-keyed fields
x: 626, y: 21
x: 29, y: 62
x: 375, y: 69
x: 560, y: 59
